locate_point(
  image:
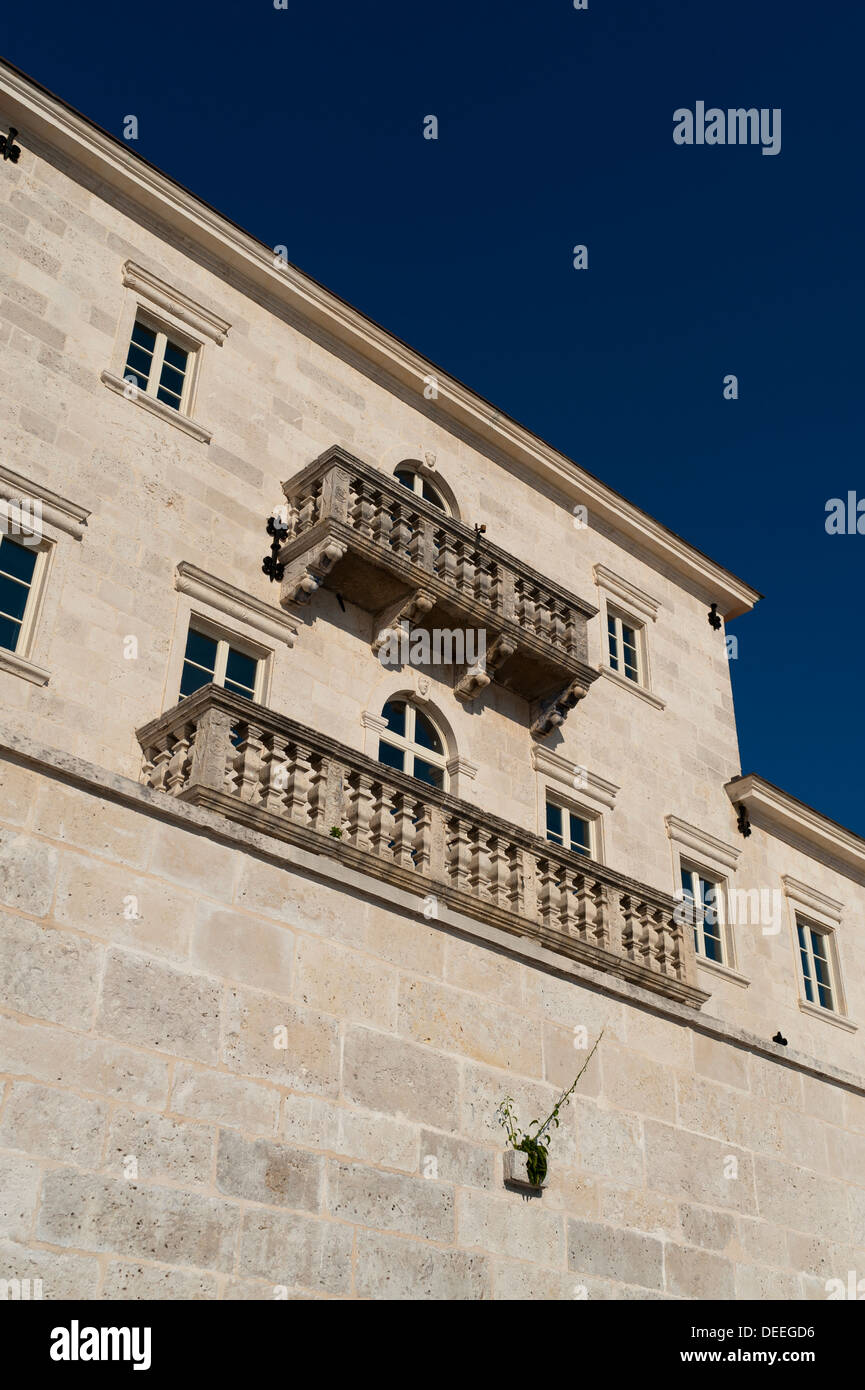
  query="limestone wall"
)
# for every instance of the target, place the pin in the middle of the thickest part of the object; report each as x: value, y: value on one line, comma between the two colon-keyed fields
x: 155, y: 1142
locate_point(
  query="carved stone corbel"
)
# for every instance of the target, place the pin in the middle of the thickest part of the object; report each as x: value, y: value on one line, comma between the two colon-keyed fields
x: 552, y: 714
x: 390, y: 622
x: 304, y: 576
x: 477, y: 677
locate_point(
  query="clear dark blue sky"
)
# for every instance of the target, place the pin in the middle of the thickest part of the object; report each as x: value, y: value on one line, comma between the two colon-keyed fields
x: 555, y: 128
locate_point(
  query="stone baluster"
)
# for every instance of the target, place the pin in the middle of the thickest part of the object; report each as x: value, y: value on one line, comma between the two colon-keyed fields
x: 297, y: 795
x: 516, y: 881
x: 546, y: 891
x: 499, y: 870
x: 479, y: 877
x: 363, y: 511
x: 381, y: 520
x: 570, y: 637
x: 249, y: 751
x: 483, y: 582
x: 465, y: 568
x: 361, y: 806
x: 178, y: 765
x: 401, y: 531
x: 274, y: 773
x: 161, y: 757
x: 567, y: 899
x: 305, y: 512
x: 446, y: 565
x: 403, y: 830
x: 318, y: 820
x: 458, y: 853
x: 584, y: 903
x: 380, y: 821
x: 599, y: 925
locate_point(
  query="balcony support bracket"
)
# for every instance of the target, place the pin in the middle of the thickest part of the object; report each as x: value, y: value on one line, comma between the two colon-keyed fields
x: 553, y: 713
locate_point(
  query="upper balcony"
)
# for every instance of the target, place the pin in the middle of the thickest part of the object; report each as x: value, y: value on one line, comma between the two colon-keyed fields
x: 400, y: 558
x: 268, y: 772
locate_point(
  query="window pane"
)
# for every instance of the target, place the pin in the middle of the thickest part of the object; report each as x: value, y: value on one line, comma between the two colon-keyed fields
x: 820, y: 947
x: 172, y: 380
x: 425, y: 772
x: 613, y: 643
x: 431, y: 495
x: 555, y: 830
x: 201, y: 649
x: 136, y: 378
x: 687, y: 883
x: 580, y: 838
x: 390, y: 756
x: 176, y: 357
x: 713, y: 945
x: 9, y: 634
x: 193, y: 678
x: 139, y: 362
x: 406, y: 478
x: 168, y: 398
x: 394, y: 713
x: 17, y: 560
x: 425, y: 734
x: 143, y: 336
x: 13, y: 598
x: 240, y: 671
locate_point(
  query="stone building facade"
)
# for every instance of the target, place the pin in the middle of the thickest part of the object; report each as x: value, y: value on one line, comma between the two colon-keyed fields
x: 282, y: 920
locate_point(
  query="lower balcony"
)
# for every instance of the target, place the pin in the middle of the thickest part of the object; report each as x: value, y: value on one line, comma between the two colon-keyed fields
x: 272, y: 774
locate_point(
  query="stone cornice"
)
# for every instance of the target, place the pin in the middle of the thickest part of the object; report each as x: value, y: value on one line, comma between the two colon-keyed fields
x: 59, y: 511
x: 779, y: 808
x: 219, y: 594
x: 35, y: 111
x: 636, y: 600
x: 563, y: 770
x: 692, y: 837
x: 149, y: 286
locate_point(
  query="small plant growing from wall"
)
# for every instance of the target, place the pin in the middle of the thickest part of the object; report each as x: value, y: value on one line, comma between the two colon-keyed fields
x: 534, y: 1142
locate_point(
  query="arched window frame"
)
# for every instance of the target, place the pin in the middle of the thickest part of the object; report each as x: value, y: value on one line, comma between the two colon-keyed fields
x: 408, y: 745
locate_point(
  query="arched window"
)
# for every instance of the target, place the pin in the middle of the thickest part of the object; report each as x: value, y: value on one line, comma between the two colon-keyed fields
x: 411, y: 743
x: 412, y: 478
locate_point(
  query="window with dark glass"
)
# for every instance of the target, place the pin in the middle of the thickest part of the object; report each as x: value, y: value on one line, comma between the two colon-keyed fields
x: 412, y: 744
x: 569, y: 830
x: 214, y: 660
x: 17, y: 567
x: 156, y: 365
x: 623, y: 647
x: 702, y: 897
x: 814, y: 955
x: 417, y: 483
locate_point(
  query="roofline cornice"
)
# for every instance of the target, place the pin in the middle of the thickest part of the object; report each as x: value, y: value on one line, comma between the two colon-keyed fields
x: 779, y: 808
x: 35, y: 111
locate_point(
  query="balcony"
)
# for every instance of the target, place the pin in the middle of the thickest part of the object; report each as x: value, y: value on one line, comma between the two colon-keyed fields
x: 361, y: 533
x: 271, y: 774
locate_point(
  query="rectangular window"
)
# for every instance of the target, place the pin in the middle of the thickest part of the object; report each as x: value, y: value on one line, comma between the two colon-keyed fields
x: 702, y: 899
x: 17, y: 569
x: 158, y: 366
x: 569, y: 830
x: 815, y: 955
x: 210, y: 659
x: 623, y: 645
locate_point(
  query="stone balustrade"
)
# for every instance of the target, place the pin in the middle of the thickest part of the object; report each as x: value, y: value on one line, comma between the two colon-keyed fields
x: 272, y: 774
x: 399, y: 557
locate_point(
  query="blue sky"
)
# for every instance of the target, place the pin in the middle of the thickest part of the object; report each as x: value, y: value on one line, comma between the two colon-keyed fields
x: 305, y: 125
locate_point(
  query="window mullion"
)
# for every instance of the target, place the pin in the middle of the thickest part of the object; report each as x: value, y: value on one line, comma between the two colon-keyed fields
x: 156, y: 364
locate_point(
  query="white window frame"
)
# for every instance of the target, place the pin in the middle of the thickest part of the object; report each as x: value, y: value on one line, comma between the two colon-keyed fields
x: 621, y: 619
x: 225, y: 638
x: 418, y: 479
x: 818, y: 912
x: 827, y: 934
x: 20, y: 662
x: 406, y: 743
x: 570, y: 808
x: 164, y: 333
x: 716, y: 861
x: 690, y: 866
